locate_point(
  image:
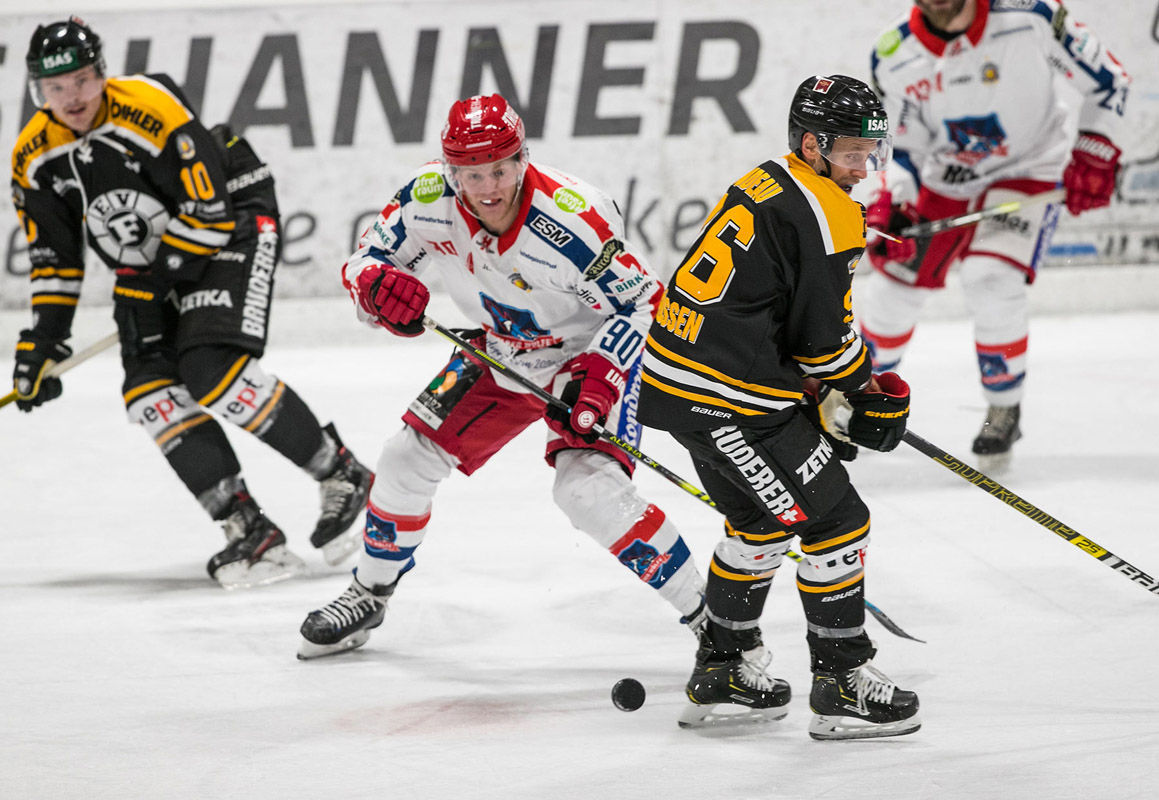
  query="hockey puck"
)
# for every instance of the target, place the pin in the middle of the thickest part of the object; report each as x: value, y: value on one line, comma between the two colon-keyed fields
x: 628, y: 694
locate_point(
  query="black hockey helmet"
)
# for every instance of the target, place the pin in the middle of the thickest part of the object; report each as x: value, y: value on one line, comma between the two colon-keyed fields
x: 62, y: 47
x: 837, y: 106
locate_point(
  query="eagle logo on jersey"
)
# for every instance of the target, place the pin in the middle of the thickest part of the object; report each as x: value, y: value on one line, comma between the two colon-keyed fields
x: 127, y: 225
x: 977, y: 138
x: 516, y: 323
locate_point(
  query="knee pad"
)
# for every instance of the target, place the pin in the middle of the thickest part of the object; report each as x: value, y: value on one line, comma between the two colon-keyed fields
x: 599, y: 499
x: 754, y: 553
x: 835, y: 553
x: 596, y: 494
x: 233, y: 384
x: 165, y: 409
x: 995, y: 293
x: 888, y: 311
x: 410, y: 469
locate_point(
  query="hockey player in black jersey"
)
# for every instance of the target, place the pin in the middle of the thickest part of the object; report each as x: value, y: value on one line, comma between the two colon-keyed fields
x: 756, y: 322
x: 188, y: 219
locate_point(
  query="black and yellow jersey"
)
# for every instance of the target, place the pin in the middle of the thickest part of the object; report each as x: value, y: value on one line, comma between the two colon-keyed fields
x: 761, y: 301
x: 146, y: 188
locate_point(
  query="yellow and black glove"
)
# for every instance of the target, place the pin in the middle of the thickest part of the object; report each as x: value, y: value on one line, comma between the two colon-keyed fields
x: 35, y: 354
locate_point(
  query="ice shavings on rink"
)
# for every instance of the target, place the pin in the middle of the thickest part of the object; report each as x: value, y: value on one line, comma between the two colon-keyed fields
x: 128, y: 673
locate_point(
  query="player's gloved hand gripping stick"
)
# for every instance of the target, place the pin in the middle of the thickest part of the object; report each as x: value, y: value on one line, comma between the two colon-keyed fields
x: 608, y: 436
x: 59, y: 368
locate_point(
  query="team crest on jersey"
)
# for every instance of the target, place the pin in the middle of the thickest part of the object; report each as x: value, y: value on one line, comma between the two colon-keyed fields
x: 989, y: 72
x: 977, y: 138
x: 127, y: 226
x: 516, y: 323
x: 185, y: 147
x: 518, y: 282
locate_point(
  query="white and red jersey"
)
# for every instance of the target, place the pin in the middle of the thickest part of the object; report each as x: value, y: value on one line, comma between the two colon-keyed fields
x: 991, y: 103
x: 561, y: 281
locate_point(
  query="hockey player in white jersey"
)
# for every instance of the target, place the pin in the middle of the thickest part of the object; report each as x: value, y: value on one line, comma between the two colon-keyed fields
x: 977, y: 91
x: 537, y: 259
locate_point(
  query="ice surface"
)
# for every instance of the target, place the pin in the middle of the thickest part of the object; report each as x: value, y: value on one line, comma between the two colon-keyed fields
x: 126, y: 673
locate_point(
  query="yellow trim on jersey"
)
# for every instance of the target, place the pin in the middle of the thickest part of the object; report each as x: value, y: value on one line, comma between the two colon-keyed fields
x: 134, y: 294
x: 144, y: 108
x: 68, y: 273
x: 856, y: 365
x: 715, y: 568
x: 218, y: 390
x: 700, y: 398
x: 831, y: 587
x: 179, y: 429
x: 192, y: 222
x: 823, y: 359
x: 270, y: 406
x: 756, y: 537
x: 836, y: 540
x: 843, y: 214
x: 145, y: 388
x: 54, y: 300
x: 40, y: 136
x: 187, y: 246
x: 720, y: 376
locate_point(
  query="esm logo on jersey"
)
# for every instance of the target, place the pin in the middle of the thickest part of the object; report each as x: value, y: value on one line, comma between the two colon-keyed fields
x: 127, y: 226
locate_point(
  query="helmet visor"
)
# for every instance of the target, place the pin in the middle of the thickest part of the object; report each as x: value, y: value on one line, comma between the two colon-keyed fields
x: 81, y: 85
x: 483, y: 179
x: 853, y: 152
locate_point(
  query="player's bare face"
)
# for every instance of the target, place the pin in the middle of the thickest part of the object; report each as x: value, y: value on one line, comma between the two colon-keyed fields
x: 75, y: 97
x: 948, y: 15
x: 491, y: 191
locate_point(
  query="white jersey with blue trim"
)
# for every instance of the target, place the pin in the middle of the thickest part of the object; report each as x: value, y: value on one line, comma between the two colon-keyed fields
x: 991, y: 103
x: 561, y: 281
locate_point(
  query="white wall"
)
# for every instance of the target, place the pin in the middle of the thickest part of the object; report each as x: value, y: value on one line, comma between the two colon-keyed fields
x: 600, y: 83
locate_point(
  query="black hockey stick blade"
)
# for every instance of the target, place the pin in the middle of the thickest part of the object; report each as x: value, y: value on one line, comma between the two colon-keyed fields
x: 888, y: 623
x: 1032, y: 512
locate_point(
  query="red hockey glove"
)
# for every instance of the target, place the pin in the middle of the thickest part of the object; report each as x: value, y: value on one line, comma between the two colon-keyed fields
x: 886, y: 217
x: 1089, y: 178
x: 394, y: 298
x: 594, y: 388
x: 879, y: 413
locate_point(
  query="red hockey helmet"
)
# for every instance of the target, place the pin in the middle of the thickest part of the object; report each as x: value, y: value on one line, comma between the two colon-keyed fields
x: 482, y: 130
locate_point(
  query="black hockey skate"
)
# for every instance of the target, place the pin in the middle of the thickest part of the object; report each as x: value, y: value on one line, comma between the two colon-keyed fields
x: 860, y: 703
x: 345, y: 623
x: 256, y: 554
x: 730, y: 689
x: 344, y: 492
x: 999, y: 433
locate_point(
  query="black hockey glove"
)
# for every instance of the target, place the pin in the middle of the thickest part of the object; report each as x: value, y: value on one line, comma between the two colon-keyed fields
x: 879, y: 415
x: 35, y: 354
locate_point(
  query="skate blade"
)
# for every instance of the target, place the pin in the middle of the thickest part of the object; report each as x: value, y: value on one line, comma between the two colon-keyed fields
x: 276, y: 564
x: 341, y: 547
x: 828, y: 728
x: 728, y: 715
x: 308, y: 650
